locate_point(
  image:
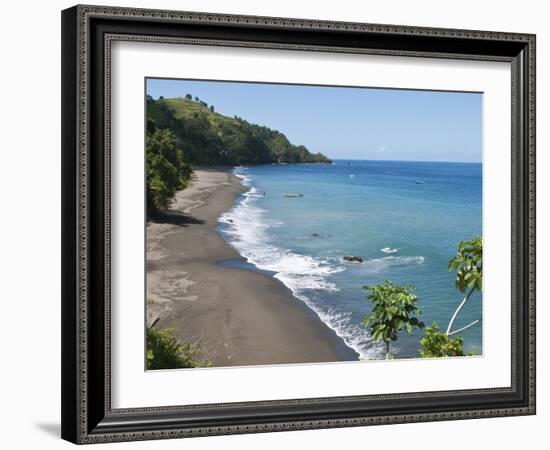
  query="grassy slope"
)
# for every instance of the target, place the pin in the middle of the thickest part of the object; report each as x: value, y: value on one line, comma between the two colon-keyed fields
x: 183, y: 109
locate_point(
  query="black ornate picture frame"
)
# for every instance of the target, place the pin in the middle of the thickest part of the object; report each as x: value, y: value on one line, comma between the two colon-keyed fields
x: 87, y: 35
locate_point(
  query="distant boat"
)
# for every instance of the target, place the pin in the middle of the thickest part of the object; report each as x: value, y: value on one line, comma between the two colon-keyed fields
x: 419, y: 181
x: 299, y: 195
x: 389, y: 250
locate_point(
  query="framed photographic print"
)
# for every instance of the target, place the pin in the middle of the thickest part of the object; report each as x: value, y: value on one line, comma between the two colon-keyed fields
x: 281, y: 224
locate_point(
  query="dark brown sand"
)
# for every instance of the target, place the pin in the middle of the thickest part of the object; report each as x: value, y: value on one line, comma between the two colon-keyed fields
x: 239, y: 317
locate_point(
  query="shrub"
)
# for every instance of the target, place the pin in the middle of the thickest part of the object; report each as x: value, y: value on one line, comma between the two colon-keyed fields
x: 164, y: 351
x: 437, y: 344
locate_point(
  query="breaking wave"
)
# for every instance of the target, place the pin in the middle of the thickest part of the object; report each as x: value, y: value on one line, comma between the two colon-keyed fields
x: 246, y: 228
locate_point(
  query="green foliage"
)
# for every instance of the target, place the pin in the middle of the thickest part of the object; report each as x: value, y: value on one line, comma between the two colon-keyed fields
x: 395, y: 306
x: 164, y: 351
x: 209, y: 138
x: 162, y: 182
x: 167, y: 170
x: 394, y: 310
x: 469, y: 274
x: 437, y: 344
x: 468, y: 264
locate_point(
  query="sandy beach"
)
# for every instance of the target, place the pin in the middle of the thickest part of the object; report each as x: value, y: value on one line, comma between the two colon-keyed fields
x: 239, y: 317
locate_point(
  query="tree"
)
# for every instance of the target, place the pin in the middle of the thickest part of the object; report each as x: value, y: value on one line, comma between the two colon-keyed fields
x: 196, y: 99
x: 469, y: 275
x: 151, y: 127
x: 167, y: 171
x: 211, y: 108
x: 189, y: 97
x: 162, y: 182
x: 436, y: 344
x: 394, y: 310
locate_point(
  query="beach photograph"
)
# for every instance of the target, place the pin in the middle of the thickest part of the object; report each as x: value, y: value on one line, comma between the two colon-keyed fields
x: 299, y: 224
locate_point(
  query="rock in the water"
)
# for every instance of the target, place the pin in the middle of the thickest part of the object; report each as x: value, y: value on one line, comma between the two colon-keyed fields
x: 353, y: 258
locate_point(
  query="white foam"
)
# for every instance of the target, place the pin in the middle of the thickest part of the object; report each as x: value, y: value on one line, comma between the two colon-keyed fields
x: 389, y: 250
x: 246, y: 229
x: 240, y: 172
x: 354, y: 336
x: 379, y: 264
x: 247, y: 226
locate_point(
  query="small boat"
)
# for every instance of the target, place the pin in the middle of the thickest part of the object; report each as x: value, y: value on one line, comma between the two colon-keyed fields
x: 419, y: 181
x: 299, y: 195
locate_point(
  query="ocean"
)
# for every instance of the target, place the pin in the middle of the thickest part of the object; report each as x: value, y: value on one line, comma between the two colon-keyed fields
x: 417, y: 210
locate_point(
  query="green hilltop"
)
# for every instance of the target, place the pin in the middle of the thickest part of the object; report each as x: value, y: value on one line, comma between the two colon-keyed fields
x: 182, y: 132
x: 210, y: 138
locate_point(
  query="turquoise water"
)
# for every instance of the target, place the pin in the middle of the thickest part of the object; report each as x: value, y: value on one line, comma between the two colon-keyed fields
x: 420, y: 210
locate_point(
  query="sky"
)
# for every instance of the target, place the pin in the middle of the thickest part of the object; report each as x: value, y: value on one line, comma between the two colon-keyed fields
x: 350, y: 123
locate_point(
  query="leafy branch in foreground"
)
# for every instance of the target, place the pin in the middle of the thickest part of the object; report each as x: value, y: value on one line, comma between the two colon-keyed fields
x: 436, y: 344
x: 394, y: 310
x: 467, y: 263
x: 164, y: 351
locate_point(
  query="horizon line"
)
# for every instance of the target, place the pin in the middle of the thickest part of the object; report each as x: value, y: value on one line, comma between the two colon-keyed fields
x: 405, y: 160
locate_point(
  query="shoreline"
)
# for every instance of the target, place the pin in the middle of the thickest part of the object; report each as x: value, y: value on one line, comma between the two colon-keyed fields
x: 238, y: 315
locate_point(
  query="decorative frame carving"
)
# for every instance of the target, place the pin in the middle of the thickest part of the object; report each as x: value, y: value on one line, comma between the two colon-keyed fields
x: 88, y: 32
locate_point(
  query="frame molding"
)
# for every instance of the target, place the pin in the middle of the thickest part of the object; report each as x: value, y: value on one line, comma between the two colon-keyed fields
x: 87, y: 34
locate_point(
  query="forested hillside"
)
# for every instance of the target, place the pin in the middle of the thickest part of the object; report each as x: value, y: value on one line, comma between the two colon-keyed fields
x: 187, y: 131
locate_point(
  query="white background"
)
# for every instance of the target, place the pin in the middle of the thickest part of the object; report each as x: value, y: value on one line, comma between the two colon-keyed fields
x: 30, y: 225
x: 133, y: 387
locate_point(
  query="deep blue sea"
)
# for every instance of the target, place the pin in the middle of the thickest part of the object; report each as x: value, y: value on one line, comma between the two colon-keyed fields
x: 417, y: 210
